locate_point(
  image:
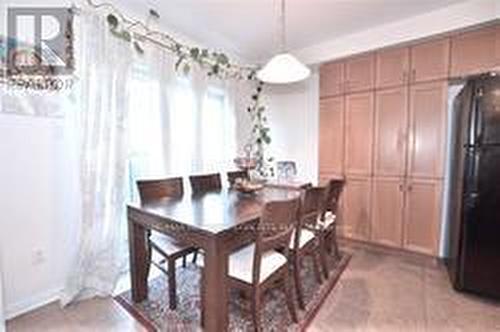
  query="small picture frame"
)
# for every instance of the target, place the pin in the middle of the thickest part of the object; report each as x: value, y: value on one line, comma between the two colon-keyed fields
x: 286, y: 170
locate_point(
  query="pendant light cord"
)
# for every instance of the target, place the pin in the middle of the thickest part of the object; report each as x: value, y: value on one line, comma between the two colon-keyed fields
x: 283, y: 27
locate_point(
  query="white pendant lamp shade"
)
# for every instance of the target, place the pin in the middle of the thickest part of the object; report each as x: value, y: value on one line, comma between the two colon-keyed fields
x: 283, y: 68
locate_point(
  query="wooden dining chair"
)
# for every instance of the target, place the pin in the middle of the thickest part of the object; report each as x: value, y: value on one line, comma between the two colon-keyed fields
x: 306, y: 238
x: 204, y: 183
x: 168, y: 247
x: 328, y: 217
x: 233, y: 175
x: 261, y: 264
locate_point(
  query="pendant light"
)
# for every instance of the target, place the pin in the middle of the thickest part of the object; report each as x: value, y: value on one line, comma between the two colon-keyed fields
x: 283, y: 67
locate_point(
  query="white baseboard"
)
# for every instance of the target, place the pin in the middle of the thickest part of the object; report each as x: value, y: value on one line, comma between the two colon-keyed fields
x: 36, y: 301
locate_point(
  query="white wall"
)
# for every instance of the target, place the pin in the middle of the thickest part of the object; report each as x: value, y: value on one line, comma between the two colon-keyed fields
x: 292, y: 111
x: 33, y: 206
x: 34, y: 199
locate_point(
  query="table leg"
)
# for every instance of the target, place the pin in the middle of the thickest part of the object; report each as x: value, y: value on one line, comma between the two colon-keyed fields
x: 139, y: 260
x: 215, y: 292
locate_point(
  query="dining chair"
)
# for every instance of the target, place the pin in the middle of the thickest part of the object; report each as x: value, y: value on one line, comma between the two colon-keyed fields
x: 306, y: 238
x: 166, y: 246
x: 233, y: 175
x: 328, y: 217
x: 261, y: 264
x: 204, y: 183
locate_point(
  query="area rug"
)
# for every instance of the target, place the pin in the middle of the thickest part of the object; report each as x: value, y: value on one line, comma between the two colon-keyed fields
x: 155, y: 314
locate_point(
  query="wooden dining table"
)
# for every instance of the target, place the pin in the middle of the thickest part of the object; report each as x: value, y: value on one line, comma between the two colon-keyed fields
x: 217, y: 222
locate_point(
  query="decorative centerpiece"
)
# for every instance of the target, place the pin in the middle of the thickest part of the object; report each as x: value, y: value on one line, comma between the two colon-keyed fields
x: 246, y: 186
x: 247, y: 164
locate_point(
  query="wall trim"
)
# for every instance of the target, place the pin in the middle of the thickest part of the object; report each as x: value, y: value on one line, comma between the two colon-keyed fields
x: 442, y: 21
x: 31, y: 303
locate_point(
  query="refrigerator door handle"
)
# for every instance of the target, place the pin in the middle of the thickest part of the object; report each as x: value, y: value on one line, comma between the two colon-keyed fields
x: 478, y: 118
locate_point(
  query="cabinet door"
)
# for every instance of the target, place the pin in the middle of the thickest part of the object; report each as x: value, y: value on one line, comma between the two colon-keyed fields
x: 331, y: 79
x: 360, y: 73
x: 356, y: 209
x: 392, y: 67
x: 428, y: 106
x: 359, y: 129
x: 331, y: 135
x: 423, y: 216
x: 475, y: 52
x: 391, y: 122
x: 387, y: 211
x: 430, y: 60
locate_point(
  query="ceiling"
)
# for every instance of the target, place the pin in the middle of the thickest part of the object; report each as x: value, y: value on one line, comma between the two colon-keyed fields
x: 249, y: 28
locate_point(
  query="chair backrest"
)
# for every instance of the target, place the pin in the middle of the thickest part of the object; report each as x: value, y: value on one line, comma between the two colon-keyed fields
x: 206, y: 182
x: 232, y: 176
x: 160, y: 188
x: 275, y: 229
x: 310, y: 210
x: 335, y: 188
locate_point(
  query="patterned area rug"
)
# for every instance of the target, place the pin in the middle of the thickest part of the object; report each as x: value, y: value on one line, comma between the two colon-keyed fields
x: 155, y: 315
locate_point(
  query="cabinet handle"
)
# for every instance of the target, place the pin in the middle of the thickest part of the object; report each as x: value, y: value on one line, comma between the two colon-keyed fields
x: 401, y: 187
x: 414, y: 75
x: 410, y: 187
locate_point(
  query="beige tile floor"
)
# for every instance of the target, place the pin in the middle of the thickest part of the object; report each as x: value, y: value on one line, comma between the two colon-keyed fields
x: 377, y: 292
x: 381, y: 292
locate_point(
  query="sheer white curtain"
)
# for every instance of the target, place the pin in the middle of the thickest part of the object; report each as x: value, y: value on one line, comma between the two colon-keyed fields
x: 99, y: 123
x: 148, y: 100
x: 218, y: 127
x: 189, y: 123
x: 136, y: 118
x: 202, y: 135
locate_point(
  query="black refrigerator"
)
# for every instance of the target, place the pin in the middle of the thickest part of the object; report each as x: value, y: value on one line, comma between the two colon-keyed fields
x: 474, y: 201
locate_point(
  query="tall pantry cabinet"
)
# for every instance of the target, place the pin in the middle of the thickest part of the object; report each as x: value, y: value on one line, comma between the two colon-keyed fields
x: 383, y: 127
x: 385, y: 134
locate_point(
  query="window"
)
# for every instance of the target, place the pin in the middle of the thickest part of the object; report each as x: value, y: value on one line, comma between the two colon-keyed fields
x: 177, y: 127
x: 183, y: 128
x: 218, y: 136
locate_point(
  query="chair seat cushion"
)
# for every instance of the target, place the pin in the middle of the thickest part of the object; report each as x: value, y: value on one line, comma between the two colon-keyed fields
x: 329, y: 220
x: 306, y: 236
x: 241, y: 264
x: 166, y: 245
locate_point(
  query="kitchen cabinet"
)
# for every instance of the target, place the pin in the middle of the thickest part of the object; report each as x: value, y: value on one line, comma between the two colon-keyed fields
x: 390, y: 140
x: 428, y: 105
x: 356, y: 208
x: 422, y: 220
x: 331, y: 79
x: 392, y: 67
x: 430, y: 60
x: 331, y: 135
x: 387, y: 211
x: 360, y: 73
x: 359, y: 133
x: 475, y: 51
